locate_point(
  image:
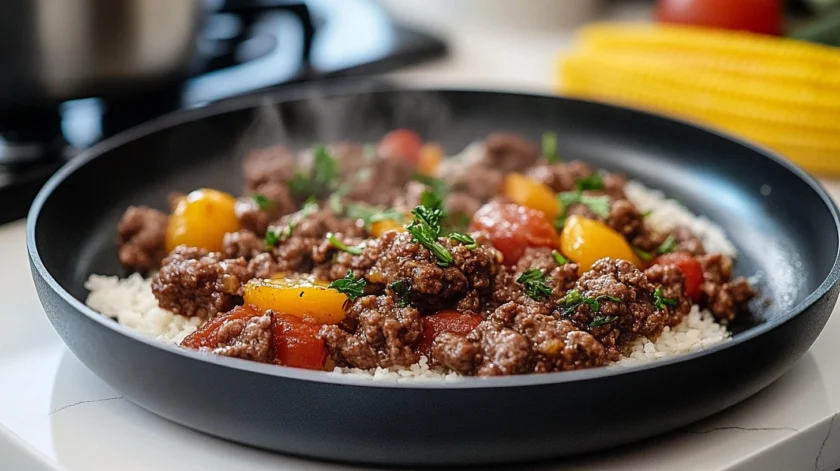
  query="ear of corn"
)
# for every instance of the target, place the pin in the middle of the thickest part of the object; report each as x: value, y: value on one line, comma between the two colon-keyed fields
x: 779, y: 92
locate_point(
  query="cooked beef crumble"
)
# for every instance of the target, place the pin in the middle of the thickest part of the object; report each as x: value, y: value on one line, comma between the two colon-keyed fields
x: 142, y: 238
x: 572, y: 319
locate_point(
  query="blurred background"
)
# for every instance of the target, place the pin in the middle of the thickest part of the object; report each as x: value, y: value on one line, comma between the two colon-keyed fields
x: 74, y: 72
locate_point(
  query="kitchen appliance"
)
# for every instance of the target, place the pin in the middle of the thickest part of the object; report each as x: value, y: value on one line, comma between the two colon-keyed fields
x: 240, y: 46
x: 782, y: 222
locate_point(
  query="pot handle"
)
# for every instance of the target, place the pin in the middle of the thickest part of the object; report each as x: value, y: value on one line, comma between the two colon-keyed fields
x: 249, y: 12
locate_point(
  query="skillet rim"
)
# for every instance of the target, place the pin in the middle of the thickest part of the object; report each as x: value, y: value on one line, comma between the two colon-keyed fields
x: 179, y: 117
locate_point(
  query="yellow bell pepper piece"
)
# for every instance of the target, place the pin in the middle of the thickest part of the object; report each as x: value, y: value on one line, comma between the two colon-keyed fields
x: 585, y: 241
x: 380, y: 227
x: 431, y: 155
x: 305, y: 298
x: 202, y: 219
x: 530, y: 193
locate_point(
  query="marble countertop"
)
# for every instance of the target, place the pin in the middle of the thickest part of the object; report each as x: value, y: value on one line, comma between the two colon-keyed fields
x: 56, y: 415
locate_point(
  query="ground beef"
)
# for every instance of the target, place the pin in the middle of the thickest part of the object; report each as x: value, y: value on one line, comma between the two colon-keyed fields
x: 614, y: 185
x: 725, y: 298
x: 431, y: 287
x: 508, y: 152
x: 625, y: 218
x: 560, y: 176
x: 480, y: 181
x: 672, y: 281
x: 244, y: 244
x: 193, y: 282
x: 318, y: 224
x: 634, y: 311
x: 462, y: 203
x: 254, y: 219
x: 385, y: 335
x: 249, y: 339
x: 263, y: 266
x: 688, y: 242
x: 560, y: 278
x: 332, y: 263
x: 381, y: 182
x: 519, y: 338
x: 142, y: 238
x: 271, y: 165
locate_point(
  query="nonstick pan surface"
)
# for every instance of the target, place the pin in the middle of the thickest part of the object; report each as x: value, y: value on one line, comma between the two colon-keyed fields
x: 782, y: 222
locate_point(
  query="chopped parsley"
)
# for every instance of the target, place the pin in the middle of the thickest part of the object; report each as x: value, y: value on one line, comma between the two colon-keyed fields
x: 659, y: 301
x: 592, y: 182
x: 371, y: 214
x: 559, y: 258
x: 534, y: 283
x: 600, y: 205
x: 436, y: 185
x: 349, y: 286
x: 342, y: 246
x: 426, y: 228
x: 647, y: 213
x: 668, y: 246
x: 263, y: 202
x: 321, y: 180
x: 549, y: 147
x: 645, y: 256
x: 273, y: 237
x: 310, y: 207
x: 598, y: 321
x: 465, y: 239
x: 573, y: 299
x: 402, y: 290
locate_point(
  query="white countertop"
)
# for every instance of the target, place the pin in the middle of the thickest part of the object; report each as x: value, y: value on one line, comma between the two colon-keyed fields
x: 56, y: 415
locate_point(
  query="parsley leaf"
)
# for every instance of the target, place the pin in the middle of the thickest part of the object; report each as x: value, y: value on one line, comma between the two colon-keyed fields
x: 667, y: 246
x: 322, y: 178
x: 371, y: 214
x: 573, y: 299
x: 592, y: 182
x: 559, y: 258
x: 349, y: 286
x: 342, y: 246
x: 402, y: 290
x: 549, y: 147
x: 534, y: 283
x: 436, y: 185
x: 645, y: 256
x: 263, y: 202
x: 310, y: 207
x: 465, y: 239
x: 273, y: 237
x: 659, y: 301
x: 600, y: 205
x: 598, y: 321
x: 567, y: 199
x: 426, y: 228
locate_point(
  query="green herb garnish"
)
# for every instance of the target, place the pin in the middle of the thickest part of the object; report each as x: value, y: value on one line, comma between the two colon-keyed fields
x: 534, y: 283
x: 263, y: 202
x: 659, y: 301
x: 600, y: 205
x: 559, y: 258
x: 321, y: 180
x: 402, y: 290
x: 573, y: 299
x: 592, y: 182
x: 465, y: 239
x: 310, y: 207
x: 598, y: 321
x: 426, y: 228
x: 645, y: 256
x: 668, y: 246
x: 350, y: 286
x: 549, y: 147
x: 274, y: 237
x: 647, y: 213
x: 342, y: 246
x: 436, y: 185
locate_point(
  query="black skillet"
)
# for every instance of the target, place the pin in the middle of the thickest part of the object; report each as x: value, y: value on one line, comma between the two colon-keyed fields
x: 783, y: 223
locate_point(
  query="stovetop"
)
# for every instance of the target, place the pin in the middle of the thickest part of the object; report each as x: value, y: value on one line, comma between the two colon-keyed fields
x: 249, y: 50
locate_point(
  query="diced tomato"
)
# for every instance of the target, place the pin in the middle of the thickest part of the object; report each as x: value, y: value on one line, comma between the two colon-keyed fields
x: 513, y: 228
x: 206, y: 335
x: 296, y: 343
x: 690, y: 268
x: 401, y: 144
x: 757, y: 16
x: 445, y: 321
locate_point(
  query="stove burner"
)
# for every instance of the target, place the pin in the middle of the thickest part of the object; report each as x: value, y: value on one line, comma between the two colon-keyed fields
x: 250, y: 45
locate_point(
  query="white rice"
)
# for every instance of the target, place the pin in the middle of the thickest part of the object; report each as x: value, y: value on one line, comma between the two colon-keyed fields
x: 130, y: 301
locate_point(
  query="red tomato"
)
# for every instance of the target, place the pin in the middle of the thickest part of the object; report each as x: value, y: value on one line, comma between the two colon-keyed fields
x: 401, y: 144
x: 690, y: 268
x: 296, y: 343
x: 513, y: 228
x: 445, y: 321
x: 758, y: 16
x: 206, y: 335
